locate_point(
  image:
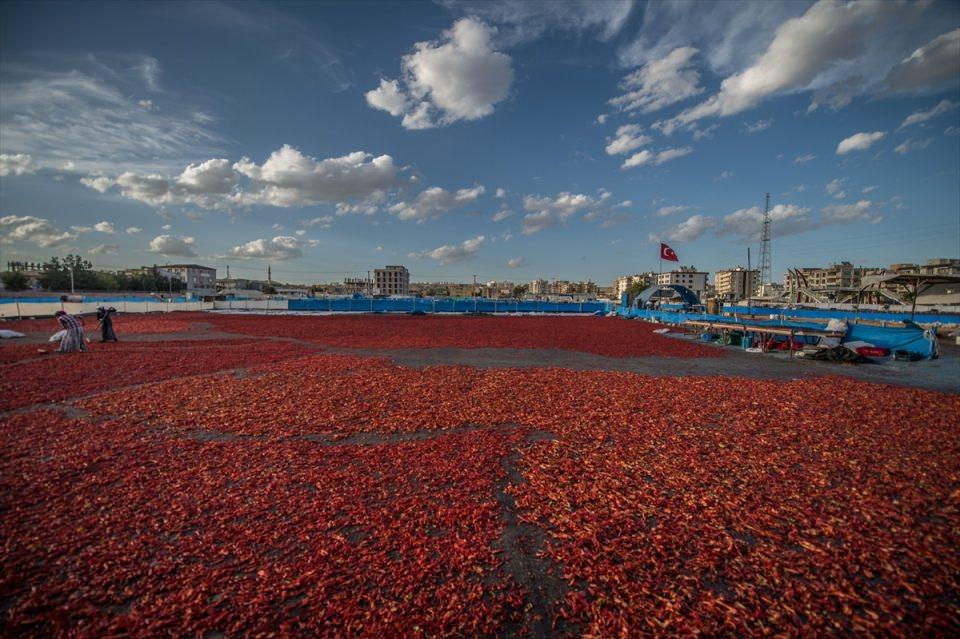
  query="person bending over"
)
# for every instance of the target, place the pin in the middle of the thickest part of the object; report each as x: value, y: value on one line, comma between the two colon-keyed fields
x: 105, y: 317
x: 73, y: 341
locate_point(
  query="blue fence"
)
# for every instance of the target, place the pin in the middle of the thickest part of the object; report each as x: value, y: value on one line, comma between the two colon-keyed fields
x: 848, y: 316
x: 443, y: 305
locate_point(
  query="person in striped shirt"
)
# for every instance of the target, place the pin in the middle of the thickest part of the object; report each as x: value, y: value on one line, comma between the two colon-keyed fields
x: 73, y: 341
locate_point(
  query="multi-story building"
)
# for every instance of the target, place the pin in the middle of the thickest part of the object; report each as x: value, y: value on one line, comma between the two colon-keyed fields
x: 625, y: 282
x: 392, y: 280
x: 687, y: 276
x: 736, y: 283
x: 830, y: 280
x: 539, y: 287
x: 199, y: 280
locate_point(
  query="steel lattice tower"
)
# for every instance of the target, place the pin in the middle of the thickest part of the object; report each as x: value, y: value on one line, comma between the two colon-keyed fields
x: 766, y: 269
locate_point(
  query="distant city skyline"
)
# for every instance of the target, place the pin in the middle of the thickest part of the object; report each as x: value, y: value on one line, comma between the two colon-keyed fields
x: 511, y: 140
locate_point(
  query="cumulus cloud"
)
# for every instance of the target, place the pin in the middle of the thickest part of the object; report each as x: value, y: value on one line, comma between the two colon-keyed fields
x: 323, y: 221
x: 803, y: 159
x: 649, y: 157
x: 746, y: 225
x: 104, y: 249
x: 929, y: 67
x: 831, y: 42
x: 288, y: 178
x: 132, y: 230
x: 545, y: 212
x: 459, y: 77
x: 36, y: 230
x: 435, y: 201
x: 501, y: 215
x: 104, y: 227
x: 660, y: 83
x: 450, y: 254
x: 912, y: 145
x: 172, y: 246
x: 99, y: 183
x: 944, y: 106
x: 517, y: 262
x: 16, y: 164
x: 859, y: 142
x: 279, y: 249
x: 628, y: 138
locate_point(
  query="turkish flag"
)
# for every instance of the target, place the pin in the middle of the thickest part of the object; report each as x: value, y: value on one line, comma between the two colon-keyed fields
x: 667, y: 253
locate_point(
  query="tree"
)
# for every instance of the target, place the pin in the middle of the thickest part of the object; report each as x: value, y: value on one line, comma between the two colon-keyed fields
x: 269, y: 290
x: 519, y: 291
x: 55, y: 274
x: 634, y: 290
x: 14, y: 280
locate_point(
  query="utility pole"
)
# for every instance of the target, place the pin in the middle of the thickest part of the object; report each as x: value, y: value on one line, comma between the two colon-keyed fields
x: 228, y: 271
x: 474, y: 293
x: 766, y: 269
x: 269, y: 275
x: 71, y: 280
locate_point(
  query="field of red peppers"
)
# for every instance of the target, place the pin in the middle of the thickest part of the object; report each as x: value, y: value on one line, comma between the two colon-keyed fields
x: 247, y: 486
x: 597, y: 335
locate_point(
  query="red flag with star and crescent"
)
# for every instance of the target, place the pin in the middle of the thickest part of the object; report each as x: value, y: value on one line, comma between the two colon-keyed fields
x: 667, y: 253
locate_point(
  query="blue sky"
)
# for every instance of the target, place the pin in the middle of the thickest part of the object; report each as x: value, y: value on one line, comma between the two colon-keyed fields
x: 511, y: 140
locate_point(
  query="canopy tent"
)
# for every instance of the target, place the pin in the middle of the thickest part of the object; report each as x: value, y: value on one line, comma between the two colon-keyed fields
x: 689, y: 297
x: 916, y: 284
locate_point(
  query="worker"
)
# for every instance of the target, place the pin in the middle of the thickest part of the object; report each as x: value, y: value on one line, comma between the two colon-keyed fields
x: 73, y: 339
x: 105, y: 324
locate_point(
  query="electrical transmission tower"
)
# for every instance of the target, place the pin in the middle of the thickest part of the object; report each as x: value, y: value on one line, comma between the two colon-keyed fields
x: 766, y: 270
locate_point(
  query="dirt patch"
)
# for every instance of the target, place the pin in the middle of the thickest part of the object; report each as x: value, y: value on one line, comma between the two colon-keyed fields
x: 523, y: 545
x: 941, y: 374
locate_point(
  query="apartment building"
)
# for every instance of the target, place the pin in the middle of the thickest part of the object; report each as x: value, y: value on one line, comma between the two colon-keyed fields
x: 392, y: 280
x: 687, y: 276
x: 623, y: 283
x: 736, y: 283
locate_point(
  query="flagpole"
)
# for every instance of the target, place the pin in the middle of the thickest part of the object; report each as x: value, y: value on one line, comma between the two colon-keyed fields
x: 660, y: 297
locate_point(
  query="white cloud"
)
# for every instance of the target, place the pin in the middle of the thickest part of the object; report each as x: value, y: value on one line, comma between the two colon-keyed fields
x: 758, y: 126
x: 133, y: 230
x: 545, y: 212
x: 501, y: 215
x: 99, y: 183
x: 864, y: 210
x: 859, y: 142
x: 835, y: 188
x: 300, y: 232
x: 104, y: 227
x: 648, y: 157
x: 279, y: 249
x: 803, y: 159
x: 912, y: 145
x: 725, y: 175
x: 829, y: 44
x: 84, y: 113
x: 517, y: 262
x: 104, y: 249
x: 952, y: 130
x: 944, y: 106
x: 435, y: 201
x: 172, y: 246
x: 660, y: 83
x: 524, y: 21
x: 36, y: 230
x: 869, y: 189
x: 16, y: 164
x: 929, y: 67
x: 460, y: 77
x: 288, y: 178
x: 167, y: 227
x: 671, y: 210
x: 323, y: 222
x: 628, y: 138
x: 449, y: 254
x: 690, y: 229
x: 149, y: 68
x: 501, y: 193
x: 746, y: 225
x: 388, y: 97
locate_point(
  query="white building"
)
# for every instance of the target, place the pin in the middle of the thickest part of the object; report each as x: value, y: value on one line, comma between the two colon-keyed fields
x: 199, y: 280
x: 624, y: 282
x: 687, y: 276
x: 392, y: 280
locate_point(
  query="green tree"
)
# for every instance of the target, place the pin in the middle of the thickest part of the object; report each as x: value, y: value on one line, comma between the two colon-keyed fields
x: 635, y: 289
x: 14, y: 280
x: 519, y: 291
x: 269, y: 290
